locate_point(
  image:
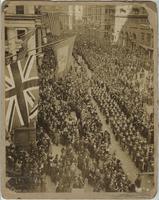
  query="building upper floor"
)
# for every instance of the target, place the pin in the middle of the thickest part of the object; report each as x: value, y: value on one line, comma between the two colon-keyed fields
x: 16, y: 10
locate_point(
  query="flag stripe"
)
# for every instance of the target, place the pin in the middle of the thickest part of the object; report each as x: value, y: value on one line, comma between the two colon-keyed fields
x: 28, y: 100
x: 10, y: 79
x: 11, y: 116
x: 36, y: 107
x: 33, y: 83
x: 27, y: 65
x: 30, y: 96
x: 30, y: 66
x: 18, y: 111
x: 8, y: 84
x: 20, y: 71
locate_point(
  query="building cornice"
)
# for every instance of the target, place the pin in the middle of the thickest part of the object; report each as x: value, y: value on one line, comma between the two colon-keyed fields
x: 21, y: 17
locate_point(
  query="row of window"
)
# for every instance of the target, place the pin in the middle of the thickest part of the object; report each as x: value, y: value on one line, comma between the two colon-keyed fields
x: 97, y: 11
x: 20, y: 10
x: 144, y: 37
x: 139, y: 10
x: 148, y: 37
x: 110, y: 11
x: 138, y: 20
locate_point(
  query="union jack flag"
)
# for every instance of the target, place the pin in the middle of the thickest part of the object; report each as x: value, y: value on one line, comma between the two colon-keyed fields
x: 21, y: 92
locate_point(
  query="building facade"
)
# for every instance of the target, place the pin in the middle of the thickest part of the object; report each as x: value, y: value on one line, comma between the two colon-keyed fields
x: 58, y: 17
x: 136, y: 29
x: 109, y: 23
x: 99, y: 20
x: 94, y: 19
x: 21, y: 20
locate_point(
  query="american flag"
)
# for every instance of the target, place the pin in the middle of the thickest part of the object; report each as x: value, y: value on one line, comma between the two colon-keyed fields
x: 21, y: 92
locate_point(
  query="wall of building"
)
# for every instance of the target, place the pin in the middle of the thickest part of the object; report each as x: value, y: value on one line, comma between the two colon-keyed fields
x: 28, y: 9
x: 15, y: 22
x: 136, y: 29
x: 109, y: 23
x: 61, y: 16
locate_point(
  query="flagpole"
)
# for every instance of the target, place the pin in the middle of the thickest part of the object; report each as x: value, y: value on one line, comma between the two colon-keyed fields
x: 45, y: 45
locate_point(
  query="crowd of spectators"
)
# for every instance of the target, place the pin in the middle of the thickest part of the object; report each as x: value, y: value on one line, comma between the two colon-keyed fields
x: 27, y: 167
x: 121, y: 96
x: 74, y: 123
x: 81, y: 132
x: 67, y: 117
x: 128, y: 76
x: 129, y: 138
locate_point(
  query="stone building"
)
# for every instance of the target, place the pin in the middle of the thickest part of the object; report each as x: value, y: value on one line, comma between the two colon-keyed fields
x: 99, y: 21
x: 21, y: 19
x: 57, y: 16
x: 93, y: 16
x: 109, y: 23
x: 134, y: 29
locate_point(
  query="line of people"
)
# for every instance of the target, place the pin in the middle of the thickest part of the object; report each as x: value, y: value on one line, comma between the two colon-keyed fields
x: 66, y: 111
x: 128, y: 76
x: 129, y: 138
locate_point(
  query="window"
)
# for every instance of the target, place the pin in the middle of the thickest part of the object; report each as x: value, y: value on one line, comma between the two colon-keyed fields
x: 134, y: 36
x: 6, y: 33
x: 135, y: 10
x: 6, y: 53
x: 20, y: 33
x: 19, y: 9
x: 142, y: 36
x: 142, y: 20
x: 143, y: 11
x: 148, y: 38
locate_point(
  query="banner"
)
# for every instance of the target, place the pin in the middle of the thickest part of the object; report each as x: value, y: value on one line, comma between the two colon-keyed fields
x: 62, y: 56
x: 21, y: 93
x: 63, y: 52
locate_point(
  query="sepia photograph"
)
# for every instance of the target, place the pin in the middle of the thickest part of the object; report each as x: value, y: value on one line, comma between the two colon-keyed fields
x: 79, y: 99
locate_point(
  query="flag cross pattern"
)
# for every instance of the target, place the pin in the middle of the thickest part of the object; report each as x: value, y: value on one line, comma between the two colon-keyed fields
x: 18, y: 91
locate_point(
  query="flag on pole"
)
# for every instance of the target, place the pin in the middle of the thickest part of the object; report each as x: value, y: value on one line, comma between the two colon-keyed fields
x: 63, y: 52
x: 21, y: 93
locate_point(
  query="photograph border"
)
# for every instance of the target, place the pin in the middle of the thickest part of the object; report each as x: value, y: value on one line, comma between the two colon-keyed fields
x: 95, y: 195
